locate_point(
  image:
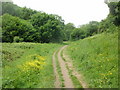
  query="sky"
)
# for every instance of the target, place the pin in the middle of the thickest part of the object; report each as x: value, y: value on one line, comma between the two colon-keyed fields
x: 77, y: 12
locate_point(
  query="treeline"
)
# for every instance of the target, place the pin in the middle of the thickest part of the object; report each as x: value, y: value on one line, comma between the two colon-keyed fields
x: 110, y: 24
x: 27, y: 25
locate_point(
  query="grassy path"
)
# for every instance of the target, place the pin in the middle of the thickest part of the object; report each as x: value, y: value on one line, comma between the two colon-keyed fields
x: 66, y: 67
x: 79, y: 76
x: 67, y: 80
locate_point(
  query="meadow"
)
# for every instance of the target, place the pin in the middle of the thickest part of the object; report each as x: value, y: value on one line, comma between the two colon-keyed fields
x: 96, y: 58
x: 30, y: 38
x: 28, y: 65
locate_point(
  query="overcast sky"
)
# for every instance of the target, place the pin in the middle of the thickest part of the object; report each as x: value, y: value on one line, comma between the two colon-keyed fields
x: 77, y: 12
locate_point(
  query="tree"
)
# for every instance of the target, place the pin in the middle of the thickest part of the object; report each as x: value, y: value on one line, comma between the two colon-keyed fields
x: 26, y: 13
x: 113, y: 18
x: 39, y: 19
x: 13, y: 26
x: 14, y: 10
x: 92, y: 28
x: 77, y: 34
x: 113, y: 7
x: 117, y: 18
x: 10, y: 8
x: 67, y: 30
x: 49, y: 27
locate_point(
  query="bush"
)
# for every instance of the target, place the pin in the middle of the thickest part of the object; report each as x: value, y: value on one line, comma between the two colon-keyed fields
x: 18, y: 39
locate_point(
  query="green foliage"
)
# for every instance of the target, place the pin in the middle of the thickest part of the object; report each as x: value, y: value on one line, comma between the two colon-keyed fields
x: 45, y: 28
x: 113, y: 17
x: 92, y: 28
x: 77, y: 34
x: 39, y: 19
x: 14, y: 26
x: 68, y: 30
x: 26, y: 13
x: 31, y: 25
x: 113, y: 7
x: 10, y: 8
x: 105, y: 24
x: 18, y: 39
x: 49, y: 27
x: 21, y: 65
x: 117, y: 19
x: 112, y: 21
x: 14, y: 10
x: 85, y: 31
x: 96, y: 58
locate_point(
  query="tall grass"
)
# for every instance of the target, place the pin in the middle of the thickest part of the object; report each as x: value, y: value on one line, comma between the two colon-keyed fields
x: 28, y: 65
x: 96, y: 58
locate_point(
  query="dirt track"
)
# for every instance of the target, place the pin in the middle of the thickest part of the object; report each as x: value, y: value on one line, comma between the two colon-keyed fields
x: 64, y: 70
x: 67, y: 80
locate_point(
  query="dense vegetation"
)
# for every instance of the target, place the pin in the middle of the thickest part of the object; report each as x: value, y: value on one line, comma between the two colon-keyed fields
x: 27, y: 25
x: 30, y: 62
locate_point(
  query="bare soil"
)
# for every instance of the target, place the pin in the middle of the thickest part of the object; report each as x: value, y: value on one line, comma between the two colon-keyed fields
x: 67, y: 80
x: 63, y: 65
x: 79, y: 76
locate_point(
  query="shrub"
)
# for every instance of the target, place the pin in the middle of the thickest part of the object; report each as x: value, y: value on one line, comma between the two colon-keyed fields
x: 18, y: 39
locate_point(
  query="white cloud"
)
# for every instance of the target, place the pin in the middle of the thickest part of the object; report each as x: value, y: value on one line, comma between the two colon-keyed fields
x: 75, y: 11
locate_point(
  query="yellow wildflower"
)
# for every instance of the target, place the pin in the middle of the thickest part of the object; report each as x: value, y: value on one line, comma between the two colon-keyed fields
x: 41, y: 58
x: 110, y: 73
x: 36, y: 62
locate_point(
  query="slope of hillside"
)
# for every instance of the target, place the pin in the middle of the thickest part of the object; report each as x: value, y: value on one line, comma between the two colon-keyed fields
x: 96, y: 58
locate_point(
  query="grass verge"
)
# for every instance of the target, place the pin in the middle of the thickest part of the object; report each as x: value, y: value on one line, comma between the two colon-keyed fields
x: 97, y: 58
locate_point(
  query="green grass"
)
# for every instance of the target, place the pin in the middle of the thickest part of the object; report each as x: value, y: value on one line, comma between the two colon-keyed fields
x: 20, y: 69
x: 97, y: 59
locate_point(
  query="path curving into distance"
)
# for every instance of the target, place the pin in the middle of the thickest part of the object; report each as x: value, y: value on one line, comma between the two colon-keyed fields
x: 67, y: 80
x: 65, y: 71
